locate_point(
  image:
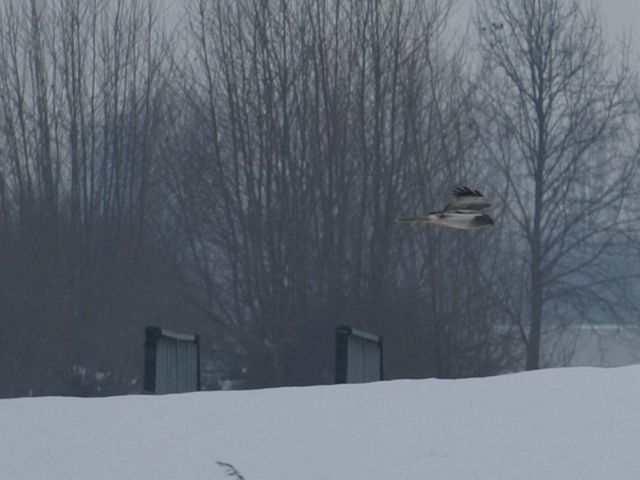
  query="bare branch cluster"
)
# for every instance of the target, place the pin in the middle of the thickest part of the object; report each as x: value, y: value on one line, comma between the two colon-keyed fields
x: 562, y: 139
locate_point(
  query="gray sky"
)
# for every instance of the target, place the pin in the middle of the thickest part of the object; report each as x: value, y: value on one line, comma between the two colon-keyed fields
x: 620, y: 17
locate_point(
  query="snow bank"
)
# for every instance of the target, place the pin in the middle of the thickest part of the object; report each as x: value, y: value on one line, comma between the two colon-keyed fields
x: 580, y: 423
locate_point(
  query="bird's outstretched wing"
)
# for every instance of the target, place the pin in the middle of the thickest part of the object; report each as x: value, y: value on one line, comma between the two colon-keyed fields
x: 466, y: 200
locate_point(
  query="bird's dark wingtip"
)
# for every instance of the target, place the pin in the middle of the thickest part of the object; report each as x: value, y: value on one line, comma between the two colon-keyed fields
x: 465, y: 191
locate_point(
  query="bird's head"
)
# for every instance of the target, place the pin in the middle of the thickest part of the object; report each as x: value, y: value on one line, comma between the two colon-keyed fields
x: 485, y: 219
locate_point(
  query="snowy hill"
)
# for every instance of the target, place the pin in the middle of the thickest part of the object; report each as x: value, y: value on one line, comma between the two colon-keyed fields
x: 564, y: 424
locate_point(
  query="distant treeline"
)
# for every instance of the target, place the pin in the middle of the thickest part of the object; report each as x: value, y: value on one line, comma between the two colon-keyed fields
x: 237, y: 172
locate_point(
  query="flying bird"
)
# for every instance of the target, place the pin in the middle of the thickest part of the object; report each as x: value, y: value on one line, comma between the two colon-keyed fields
x: 466, y: 211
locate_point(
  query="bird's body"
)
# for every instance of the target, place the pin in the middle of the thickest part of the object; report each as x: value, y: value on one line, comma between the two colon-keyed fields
x: 460, y: 220
x: 465, y: 212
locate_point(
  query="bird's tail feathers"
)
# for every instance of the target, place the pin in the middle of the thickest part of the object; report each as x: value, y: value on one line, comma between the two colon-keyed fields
x: 430, y: 218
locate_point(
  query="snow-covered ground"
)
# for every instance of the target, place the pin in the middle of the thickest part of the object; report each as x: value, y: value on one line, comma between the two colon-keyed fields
x: 564, y: 424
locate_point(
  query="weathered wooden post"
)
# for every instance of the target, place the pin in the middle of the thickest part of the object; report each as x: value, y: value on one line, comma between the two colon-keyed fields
x: 359, y: 356
x: 172, y: 361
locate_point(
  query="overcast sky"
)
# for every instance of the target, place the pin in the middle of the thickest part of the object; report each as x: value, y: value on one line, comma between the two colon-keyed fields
x: 619, y: 16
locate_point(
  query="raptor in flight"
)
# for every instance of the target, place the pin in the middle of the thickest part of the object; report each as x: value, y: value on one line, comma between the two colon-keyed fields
x: 466, y: 211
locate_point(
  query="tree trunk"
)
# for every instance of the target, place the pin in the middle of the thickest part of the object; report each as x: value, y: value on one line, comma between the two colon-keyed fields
x: 535, y: 329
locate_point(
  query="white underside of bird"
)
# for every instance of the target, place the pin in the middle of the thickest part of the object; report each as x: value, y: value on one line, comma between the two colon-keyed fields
x: 463, y: 221
x: 465, y: 212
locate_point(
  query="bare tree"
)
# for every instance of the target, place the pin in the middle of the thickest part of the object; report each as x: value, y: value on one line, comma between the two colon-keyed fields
x: 555, y: 105
x: 81, y: 90
x: 310, y: 127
